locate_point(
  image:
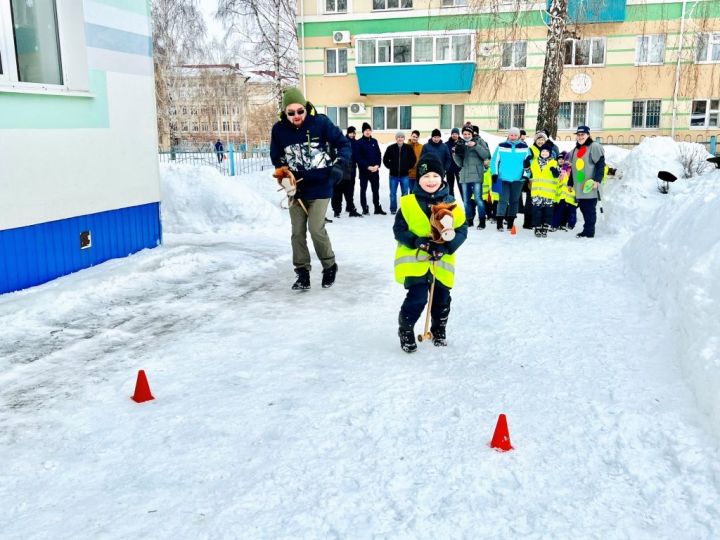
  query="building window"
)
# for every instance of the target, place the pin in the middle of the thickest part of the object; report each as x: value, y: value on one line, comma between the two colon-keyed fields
x: 379, y: 5
x: 338, y: 115
x: 705, y: 113
x: 514, y: 55
x: 236, y: 126
x: 34, y: 43
x: 452, y: 116
x: 585, y: 52
x: 335, y: 6
x: 573, y: 114
x: 511, y: 115
x: 418, y: 49
x: 454, y: 3
x: 390, y: 118
x: 335, y: 61
x: 650, y: 50
x: 225, y: 126
x: 646, y: 114
x: 708, y: 47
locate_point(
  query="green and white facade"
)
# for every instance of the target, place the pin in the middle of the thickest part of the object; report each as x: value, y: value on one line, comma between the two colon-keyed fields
x: 640, y: 67
x: 79, y: 180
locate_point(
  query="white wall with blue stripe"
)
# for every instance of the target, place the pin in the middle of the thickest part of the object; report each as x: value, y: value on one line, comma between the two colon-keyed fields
x: 79, y: 180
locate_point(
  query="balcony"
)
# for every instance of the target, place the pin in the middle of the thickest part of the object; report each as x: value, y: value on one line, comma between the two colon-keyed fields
x: 593, y: 11
x: 456, y: 77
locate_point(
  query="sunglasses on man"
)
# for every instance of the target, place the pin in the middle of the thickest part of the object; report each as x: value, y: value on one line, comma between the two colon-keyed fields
x: 299, y: 112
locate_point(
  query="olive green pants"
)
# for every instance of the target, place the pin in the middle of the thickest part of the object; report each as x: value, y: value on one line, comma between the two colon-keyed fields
x: 315, y: 221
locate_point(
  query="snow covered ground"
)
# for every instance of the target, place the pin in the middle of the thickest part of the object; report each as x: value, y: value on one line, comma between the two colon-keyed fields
x: 296, y: 415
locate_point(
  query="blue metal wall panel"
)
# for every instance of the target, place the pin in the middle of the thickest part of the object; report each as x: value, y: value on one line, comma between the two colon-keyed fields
x: 594, y: 11
x: 416, y: 78
x: 39, y: 253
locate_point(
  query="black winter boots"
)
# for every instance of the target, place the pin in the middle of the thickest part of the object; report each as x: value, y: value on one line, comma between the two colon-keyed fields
x: 407, y: 339
x: 302, y: 283
x: 379, y: 211
x: 328, y: 277
x: 499, y: 222
x: 482, y: 223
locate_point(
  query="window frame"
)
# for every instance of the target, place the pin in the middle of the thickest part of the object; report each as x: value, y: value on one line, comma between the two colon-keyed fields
x: 645, y: 103
x: 338, y: 109
x: 454, y: 3
x: 359, y: 40
x: 574, y: 121
x: 513, y: 123
x: 337, y: 61
x: 713, y: 40
x: 336, y: 11
x: 385, y: 117
x: 453, y: 115
x: 70, y: 22
x: 592, y: 40
x: 514, y: 55
x: 708, y: 111
x: 399, y: 8
x: 638, y: 49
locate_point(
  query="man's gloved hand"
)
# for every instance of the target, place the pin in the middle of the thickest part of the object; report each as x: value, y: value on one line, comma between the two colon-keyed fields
x: 423, y: 243
x: 337, y: 173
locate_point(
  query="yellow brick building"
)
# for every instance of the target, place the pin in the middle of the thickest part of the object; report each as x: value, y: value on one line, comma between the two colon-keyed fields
x: 637, y: 68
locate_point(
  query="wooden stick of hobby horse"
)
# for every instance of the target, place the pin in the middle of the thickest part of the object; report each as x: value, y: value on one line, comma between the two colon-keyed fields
x: 427, y: 334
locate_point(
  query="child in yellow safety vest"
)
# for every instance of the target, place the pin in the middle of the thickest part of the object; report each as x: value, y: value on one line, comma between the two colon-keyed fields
x: 565, y: 213
x: 418, y: 260
x: 544, y: 173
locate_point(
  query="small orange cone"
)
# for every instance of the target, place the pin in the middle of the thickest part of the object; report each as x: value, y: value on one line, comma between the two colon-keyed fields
x: 501, y: 437
x: 513, y: 230
x: 142, y: 388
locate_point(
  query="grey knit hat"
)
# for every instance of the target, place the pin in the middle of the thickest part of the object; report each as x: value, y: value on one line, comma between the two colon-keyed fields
x: 514, y: 131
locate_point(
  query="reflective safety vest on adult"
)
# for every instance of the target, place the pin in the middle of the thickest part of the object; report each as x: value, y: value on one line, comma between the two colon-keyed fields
x: 414, y: 262
x: 544, y: 184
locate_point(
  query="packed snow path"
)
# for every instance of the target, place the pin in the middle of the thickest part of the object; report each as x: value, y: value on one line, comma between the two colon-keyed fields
x: 296, y: 415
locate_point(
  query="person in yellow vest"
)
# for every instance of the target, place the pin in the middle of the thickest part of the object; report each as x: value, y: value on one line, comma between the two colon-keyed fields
x: 565, y: 213
x: 490, y: 197
x: 417, y: 257
x: 544, y: 173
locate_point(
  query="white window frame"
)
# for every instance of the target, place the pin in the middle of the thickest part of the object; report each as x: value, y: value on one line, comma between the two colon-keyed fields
x: 385, y: 116
x: 399, y: 8
x: 337, y: 61
x: 645, y: 114
x: 639, y: 47
x: 453, y: 3
x: 453, y: 115
x: 513, y: 119
x: 706, y: 125
x: 337, y: 115
x: 514, y: 60
x: 593, y: 40
x: 73, y: 53
x: 392, y: 36
x: 588, y: 104
x: 713, y: 41
x: 336, y: 10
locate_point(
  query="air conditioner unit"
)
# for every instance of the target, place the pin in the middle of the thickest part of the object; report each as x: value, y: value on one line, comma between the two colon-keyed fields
x: 357, y: 109
x: 341, y: 36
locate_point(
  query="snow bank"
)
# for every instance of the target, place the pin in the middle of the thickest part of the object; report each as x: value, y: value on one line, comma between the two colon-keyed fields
x: 675, y: 251
x: 199, y: 200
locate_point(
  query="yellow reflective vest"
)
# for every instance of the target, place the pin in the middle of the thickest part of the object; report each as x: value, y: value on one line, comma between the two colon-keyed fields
x: 544, y: 184
x: 488, y: 193
x: 414, y: 262
x: 565, y: 192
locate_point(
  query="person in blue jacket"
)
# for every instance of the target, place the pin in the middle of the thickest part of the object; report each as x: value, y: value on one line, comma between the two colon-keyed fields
x: 305, y: 142
x: 368, y: 160
x: 219, y: 149
x: 436, y: 147
x: 508, y: 176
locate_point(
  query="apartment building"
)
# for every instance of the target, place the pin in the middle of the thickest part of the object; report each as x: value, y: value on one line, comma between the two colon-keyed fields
x: 633, y: 68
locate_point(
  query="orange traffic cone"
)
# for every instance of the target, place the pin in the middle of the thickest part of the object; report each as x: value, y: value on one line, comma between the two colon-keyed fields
x: 142, y: 388
x: 501, y: 437
x: 513, y: 230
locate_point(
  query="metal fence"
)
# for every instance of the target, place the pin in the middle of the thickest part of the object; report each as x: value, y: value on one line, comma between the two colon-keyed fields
x: 229, y: 163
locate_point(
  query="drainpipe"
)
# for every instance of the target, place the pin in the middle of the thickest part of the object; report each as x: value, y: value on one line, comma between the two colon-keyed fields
x: 677, y: 69
x: 302, y: 44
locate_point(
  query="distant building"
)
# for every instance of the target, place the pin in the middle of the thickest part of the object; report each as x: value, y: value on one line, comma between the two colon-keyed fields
x: 79, y: 180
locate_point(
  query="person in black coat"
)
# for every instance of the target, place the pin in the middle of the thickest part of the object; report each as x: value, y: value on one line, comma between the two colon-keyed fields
x: 399, y: 159
x: 453, y: 172
x: 368, y: 160
x: 346, y: 187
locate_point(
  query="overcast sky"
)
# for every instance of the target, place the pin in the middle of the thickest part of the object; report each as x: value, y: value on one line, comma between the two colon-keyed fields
x: 215, y: 29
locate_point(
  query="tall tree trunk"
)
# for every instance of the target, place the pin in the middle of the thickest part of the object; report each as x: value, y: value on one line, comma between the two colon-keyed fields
x: 553, y: 70
x: 278, y: 79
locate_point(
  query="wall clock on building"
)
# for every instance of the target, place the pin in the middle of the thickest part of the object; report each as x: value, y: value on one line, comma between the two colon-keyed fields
x: 581, y: 83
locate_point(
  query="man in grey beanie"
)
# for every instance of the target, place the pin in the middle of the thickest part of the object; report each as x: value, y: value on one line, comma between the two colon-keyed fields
x: 399, y: 159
